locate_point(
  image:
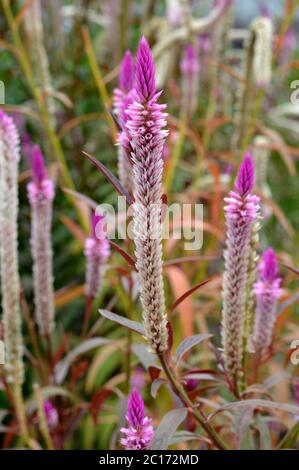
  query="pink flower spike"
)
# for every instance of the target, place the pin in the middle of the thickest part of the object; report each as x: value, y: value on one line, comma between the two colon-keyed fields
x: 245, y: 178
x: 126, y: 76
x: 38, y: 168
x: 190, y: 64
x: 145, y: 72
x: 97, y: 225
x: 269, y: 266
x: 139, y: 433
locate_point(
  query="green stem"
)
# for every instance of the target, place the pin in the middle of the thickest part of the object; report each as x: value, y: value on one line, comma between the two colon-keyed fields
x: 289, y: 439
x: 180, y: 392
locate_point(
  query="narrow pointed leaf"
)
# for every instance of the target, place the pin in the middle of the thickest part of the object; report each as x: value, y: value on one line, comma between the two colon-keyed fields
x: 110, y: 177
x: 167, y: 428
x: 188, y: 344
x: 132, y: 325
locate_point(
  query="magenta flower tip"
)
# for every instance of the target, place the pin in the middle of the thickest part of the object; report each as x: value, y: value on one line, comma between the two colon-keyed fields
x: 145, y: 71
x: 245, y: 178
x: 38, y: 165
x: 139, y: 433
x: 51, y: 414
x: 126, y: 76
x: 269, y: 266
x: 135, y: 410
x: 189, y: 63
x: 97, y: 224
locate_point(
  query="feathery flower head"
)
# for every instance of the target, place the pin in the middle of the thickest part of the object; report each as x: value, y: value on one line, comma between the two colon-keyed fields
x: 8, y: 129
x: 51, y: 414
x: 10, y: 283
x: 262, y: 34
x: 145, y: 85
x: 126, y: 76
x: 144, y: 128
x: 189, y: 63
x: 97, y: 226
x: 269, y: 266
x: 139, y: 433
x: 241, y: 212
x: 41, y: 188
x: 38, y: 168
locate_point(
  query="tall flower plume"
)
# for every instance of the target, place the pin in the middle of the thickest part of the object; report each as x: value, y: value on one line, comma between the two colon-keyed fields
x: 41, y: 195
x: 139, y: 433
x: 267, y: 291
x: 120, y: 102
x: 190, y: 69
x: 144, y: 126
x: 10, y: 283
x: 97, y: 251
x: 241, y: 212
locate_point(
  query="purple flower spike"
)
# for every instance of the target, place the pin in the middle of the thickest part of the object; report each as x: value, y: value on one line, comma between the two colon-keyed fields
x: 267, y: 291
x: 145, y: 72
x: 126, y: 76
x: 96, y: 250
x: 139, y: 433
x: 245, y: 178
x: 97, y: 221
x: 38, y: 168
x: 189, y: 63
x: 241, y: 213
x: 51, y: 414
x: 269, y: 267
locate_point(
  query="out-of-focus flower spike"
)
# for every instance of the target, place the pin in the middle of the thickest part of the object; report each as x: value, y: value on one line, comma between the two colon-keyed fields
x: 10, y: 283
x: 267, y: 291
x: 139, y: 433
x: 262, y: 33
x: 96, y: 251
x: 41, y: 194
x: 190, y: 68
x: 126, y: 76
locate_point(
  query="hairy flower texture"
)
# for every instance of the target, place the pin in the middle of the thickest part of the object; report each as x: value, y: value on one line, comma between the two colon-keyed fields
x: 145, y: 123
x: 241, y: 212
x: 41, y: 195
x: 190, y: 72
x: 262, y: 31
x: 267, y: 291
x: 51, y: 414
x: 121, y: 101
x: 139, y: 433
x: 10, y: 283
x: 97, y: 251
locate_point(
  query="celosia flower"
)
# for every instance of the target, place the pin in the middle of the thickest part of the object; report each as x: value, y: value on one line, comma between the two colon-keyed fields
x: 139, y: 433
x: 267, y: 291
x: 190, y: 68
x: 144, y: 126
x: 241, y: 212
x: 10, y: 283
x: 97, y: 251
x: 41, y: 195
x: 51, y: 414
x: 121, y: 101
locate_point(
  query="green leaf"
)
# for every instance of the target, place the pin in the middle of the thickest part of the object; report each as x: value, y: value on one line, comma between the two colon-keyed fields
x: 132, y: 325
x: 167, y: 428
x: 62, y: 368
x: 188, y: 344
